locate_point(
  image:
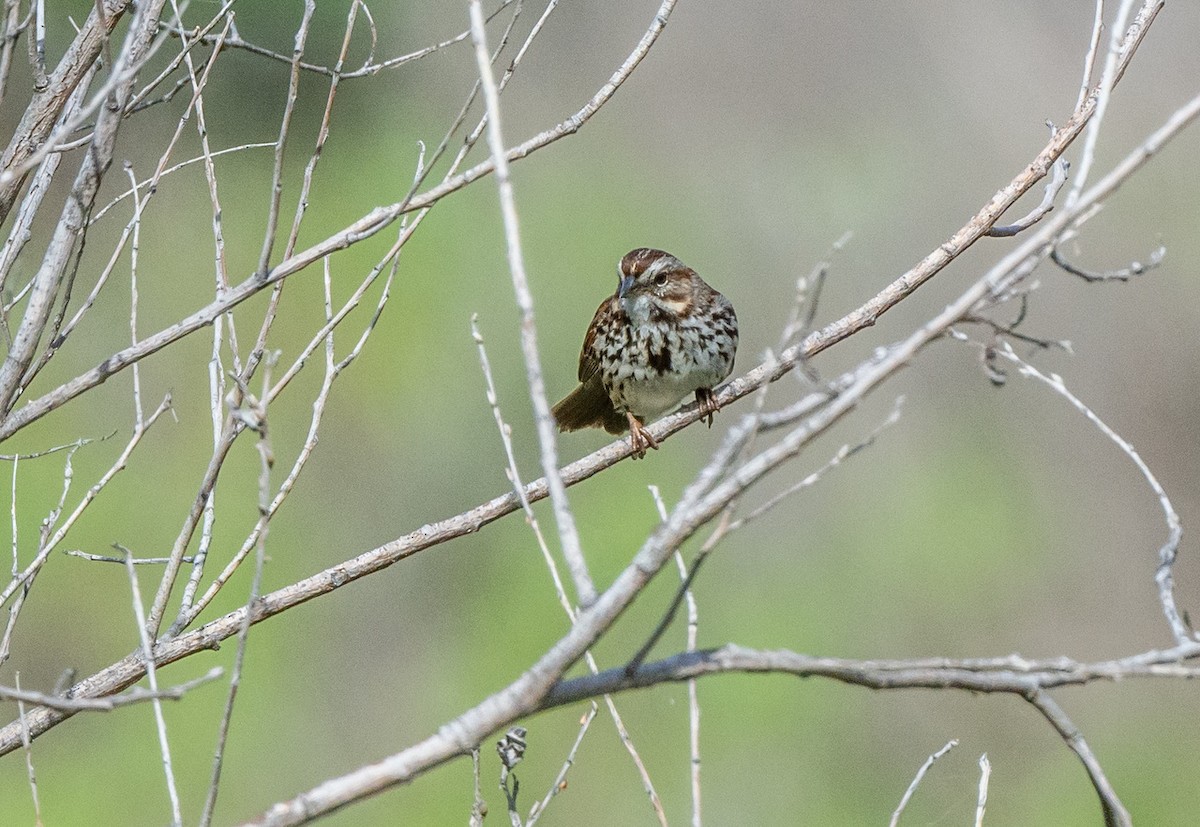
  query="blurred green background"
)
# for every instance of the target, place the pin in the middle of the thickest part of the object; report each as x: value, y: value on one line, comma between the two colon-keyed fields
x: 753, y: 136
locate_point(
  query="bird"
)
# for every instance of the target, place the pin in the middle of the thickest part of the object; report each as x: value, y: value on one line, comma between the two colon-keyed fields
x: 663, y: 335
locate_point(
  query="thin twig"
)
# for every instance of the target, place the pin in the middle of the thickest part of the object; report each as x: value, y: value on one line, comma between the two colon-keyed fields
x: 28, y: 748
x: 727, y: 524
x: 368, y: 69
x: 560, y: 781
x: 912, y: 787
x: 985, y: 773
x: 191, y: 608
x: 52, y: 541
x: 514, y: 476
x: 1089, y: 60
x: 1011, y: 674
x: 223, y: 327
x: 1113, y: 66
x: 285, y: 122
x: 155, y: 701
x: 479, y: 807
x: 135, y: 695
x: 45, y: 452
x: 1053, y: 187
x: 693, y: 630
x: 1134, y: 269
x: 585, y: 590
x: 137, y: 101
x: 1169, y: 549
x: 11, y: 27
x: 105, y: 558
x: 60, y: 336
x: 152, y: 182
x: 31, y: 203
x: 266, y: 460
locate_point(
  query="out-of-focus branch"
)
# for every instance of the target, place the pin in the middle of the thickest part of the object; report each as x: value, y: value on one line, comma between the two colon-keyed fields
x: 568, y: 534
x: 714, y: 488
x: 1011, y: 674
x: 995, y: 283
x: 380, y: 217
x: 67, y: 232
x: 1170, y: 548
x: 364, y: 228
x: 369, y: 67
x: 136, y: 695
x: 48, y: 103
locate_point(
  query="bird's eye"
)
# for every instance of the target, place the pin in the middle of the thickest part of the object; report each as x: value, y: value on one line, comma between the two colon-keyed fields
x: 660, y: 279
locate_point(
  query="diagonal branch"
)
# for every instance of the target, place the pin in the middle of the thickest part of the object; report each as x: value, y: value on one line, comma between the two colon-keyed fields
x: 43, y: 111
x: 841, y: 395
x: 68, y: 232
x: 380, y: 217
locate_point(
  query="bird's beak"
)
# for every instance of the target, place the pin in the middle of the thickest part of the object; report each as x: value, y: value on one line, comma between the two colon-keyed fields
x: 625, y: 285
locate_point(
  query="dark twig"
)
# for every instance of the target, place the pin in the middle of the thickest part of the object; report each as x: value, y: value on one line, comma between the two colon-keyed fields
x: 1010, y: 675
x: 1135, y: 268
x: 680, y: 592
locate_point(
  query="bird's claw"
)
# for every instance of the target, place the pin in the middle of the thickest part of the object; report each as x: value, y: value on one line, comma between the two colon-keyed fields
x: 639, y: 438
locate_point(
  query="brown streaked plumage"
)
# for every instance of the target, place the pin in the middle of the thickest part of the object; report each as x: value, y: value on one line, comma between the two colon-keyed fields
x: 663, y: 335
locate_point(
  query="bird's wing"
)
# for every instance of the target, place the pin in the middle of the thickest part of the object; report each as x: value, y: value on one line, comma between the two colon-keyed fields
x: 589, y: 355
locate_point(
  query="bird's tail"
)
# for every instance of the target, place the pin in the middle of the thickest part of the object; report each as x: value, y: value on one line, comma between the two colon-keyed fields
x: 588, y: 406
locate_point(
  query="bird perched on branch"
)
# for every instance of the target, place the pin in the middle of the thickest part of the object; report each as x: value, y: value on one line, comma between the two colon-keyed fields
x: 663, y: 335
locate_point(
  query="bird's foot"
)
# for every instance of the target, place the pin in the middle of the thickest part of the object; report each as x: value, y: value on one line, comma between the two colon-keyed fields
x: 640, y: 438
x: 706, y: 403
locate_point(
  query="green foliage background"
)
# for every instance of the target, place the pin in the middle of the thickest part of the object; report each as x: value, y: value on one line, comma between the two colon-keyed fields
x: 755, y: 134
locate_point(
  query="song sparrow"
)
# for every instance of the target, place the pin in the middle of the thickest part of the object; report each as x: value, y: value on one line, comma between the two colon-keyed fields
x: 663, y: 335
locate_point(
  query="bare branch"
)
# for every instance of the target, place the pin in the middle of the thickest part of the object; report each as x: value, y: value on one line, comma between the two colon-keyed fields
x: 50, y: 99
x: 364, y: 228
x: 136, y: 695
x: 837, y: 398
x: 1053, y: 186
x: 147, y: 652
x: 1115, y: 814
x: 60, y: 252
x: 29, y: 771
x: 568, y: 534
x: 266, y: 458
x: 985, y: 773
x: 1135, y: 268
x: 1089, y: 60
x: 1113, y: 66
x: 368, y: 69
x: 564, y: 601
x: 106, y: 558
x: 912, y: 788
x: 1009, y: 675
x: 1170, y: 549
